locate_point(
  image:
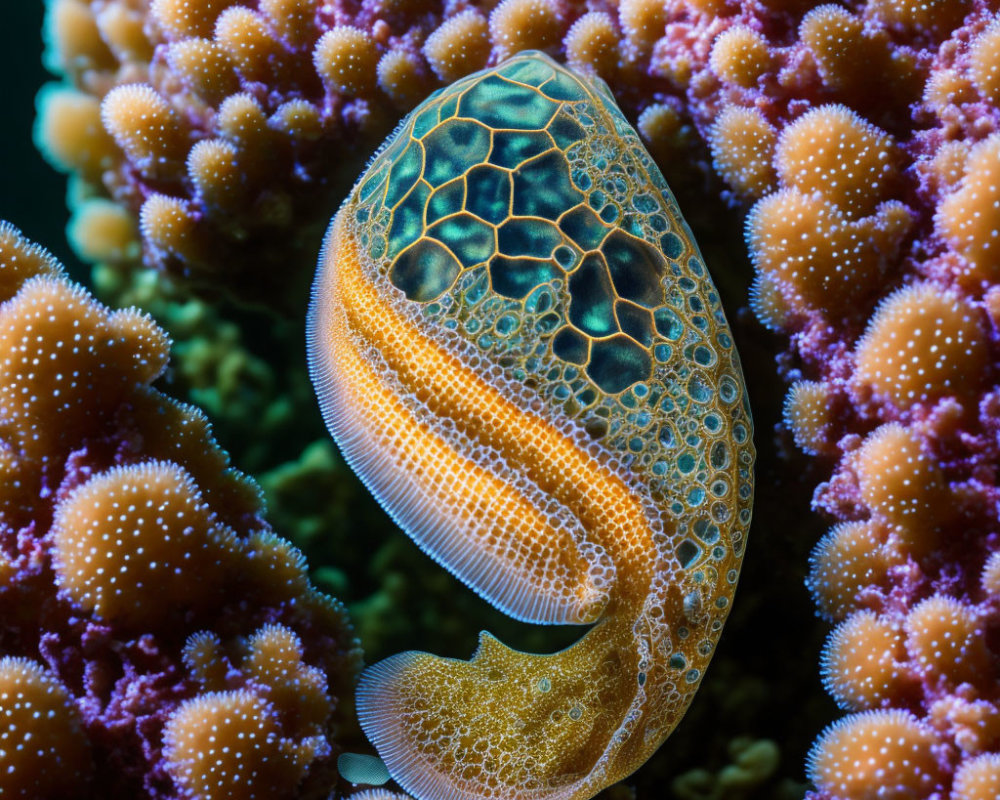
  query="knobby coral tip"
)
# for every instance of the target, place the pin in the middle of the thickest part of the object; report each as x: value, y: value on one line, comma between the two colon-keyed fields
x: 875, y: 754
x: 45, y: 752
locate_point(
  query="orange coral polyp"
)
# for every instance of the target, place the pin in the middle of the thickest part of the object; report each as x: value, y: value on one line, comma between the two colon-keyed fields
x: 213, y: 169
x: 399, y: 76
x: 229, y: 746
x: 460, y: 45
x: 850, y: 558
x: 977, y: 778
x: 524, y: 25
x: 945, y: 639
x: 69, y: 131
x: 169, y: 226
x: 920, y: 17
x: 807, y: 414
x: 592, y: 44
x: 205, y: 68
x: 740, y: 56
x: 182, y: 19
x: 921, y: 344
x: 860, y: 664
x: 244, y: 35
x: 145, y: 126
x: 819, y: 257
x: 62, y: 356
x: 875, y: 755
x: 969, y: 218
x: 903, y: 485
x: 294, y: 21
x: 21, y: 260
x: 74, y: 39
x: 43, y: 750
x: 834, y: 151
x: 138, y: 542
x: 642, y: 22
x: 743, y: 144
x: 345, y: 58
x: 984, y: 63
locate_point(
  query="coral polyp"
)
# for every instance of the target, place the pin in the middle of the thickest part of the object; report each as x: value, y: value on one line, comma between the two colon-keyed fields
x: 123, y: 533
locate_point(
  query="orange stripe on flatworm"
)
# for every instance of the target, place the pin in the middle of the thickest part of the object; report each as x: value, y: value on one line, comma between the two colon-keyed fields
x: 458, y: 482
x: 552, y: 461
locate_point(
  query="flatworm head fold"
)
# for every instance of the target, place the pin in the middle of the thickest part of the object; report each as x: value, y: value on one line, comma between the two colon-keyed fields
x: 518, y: 348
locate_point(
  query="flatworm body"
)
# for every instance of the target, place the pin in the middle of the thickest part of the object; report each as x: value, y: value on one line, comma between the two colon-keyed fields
x: 517, y: 346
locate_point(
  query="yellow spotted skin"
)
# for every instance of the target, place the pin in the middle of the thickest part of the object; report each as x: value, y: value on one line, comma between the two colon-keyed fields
x: 517, y: 346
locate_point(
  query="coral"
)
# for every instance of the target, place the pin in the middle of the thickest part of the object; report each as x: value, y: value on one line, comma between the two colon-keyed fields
x: 875, y: 754
x: 808, y: 414
x: 816, y: 256
x: 945, y: 640
x: 345, y: 59
x: 228, y: 744
x: 505, y: 254
x: 922, y: 344
x: 968, y: 218
x: 44, y: 751
x: 850, y: 559
x: 517, y: 25
x: 827, y: 150
x: 902, y: 485
x: 740, y: 56
x: 459, y: 46
x: 248, y: 743
x: 859, y: 662
x: 737, y: 94
x: 124, y: 531
x: 592, y: 45
x: 977, y: 779
x: 133, y: 528
x: 869, y: 174
x: 743, y: 143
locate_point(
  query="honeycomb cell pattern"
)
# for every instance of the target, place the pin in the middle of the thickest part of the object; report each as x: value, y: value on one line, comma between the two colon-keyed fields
x: 517, y: 346
x: 521, y: 208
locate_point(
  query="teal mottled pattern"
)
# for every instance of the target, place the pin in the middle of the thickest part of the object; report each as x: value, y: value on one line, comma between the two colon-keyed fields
x: 519, y: 208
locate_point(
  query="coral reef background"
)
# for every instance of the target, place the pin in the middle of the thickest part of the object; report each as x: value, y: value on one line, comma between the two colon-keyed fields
x: 731, y: 744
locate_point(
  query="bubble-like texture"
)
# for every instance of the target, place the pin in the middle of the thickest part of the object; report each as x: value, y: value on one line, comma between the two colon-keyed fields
x: 517, y: 345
